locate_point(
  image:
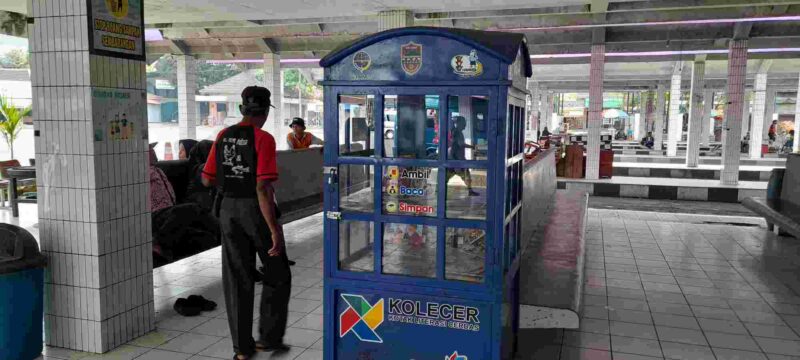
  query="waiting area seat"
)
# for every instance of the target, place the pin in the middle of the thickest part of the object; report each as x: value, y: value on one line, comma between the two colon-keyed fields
x: 782, y: 205
x: 552, y: 266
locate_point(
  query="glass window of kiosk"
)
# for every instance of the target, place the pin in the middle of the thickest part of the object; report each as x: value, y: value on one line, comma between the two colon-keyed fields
x: 356, y: 250
x: 411, y: 126
x: 469, y: 116
x: 465, y: 254
x: 356, y: 186
x: 356, y: 125
x: 409, y: 249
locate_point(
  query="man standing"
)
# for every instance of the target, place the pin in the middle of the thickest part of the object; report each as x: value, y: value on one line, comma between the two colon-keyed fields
x: 299, y: 139
x: 242, y: 164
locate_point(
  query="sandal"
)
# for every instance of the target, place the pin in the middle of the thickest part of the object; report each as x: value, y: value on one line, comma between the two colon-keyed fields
x: 186, y: 308
x: 275, y: 348
x: 201, y: 302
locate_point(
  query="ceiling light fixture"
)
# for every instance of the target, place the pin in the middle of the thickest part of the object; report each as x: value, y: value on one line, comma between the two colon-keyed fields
x: 662, y: 53
x: 659, y: 23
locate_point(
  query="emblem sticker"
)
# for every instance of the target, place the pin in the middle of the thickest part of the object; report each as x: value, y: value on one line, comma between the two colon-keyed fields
x: 362, y: 61
x: 467, y: 65
x: 361, y: 318
x: 411, y: 57
x: 455, y: 356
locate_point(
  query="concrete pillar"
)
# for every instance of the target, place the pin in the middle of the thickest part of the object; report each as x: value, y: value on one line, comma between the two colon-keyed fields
x: 675, y: 127
x: 533, y: 120
x: 187, y: 107
x: 797, y: 119
x: 272, y: 81
x: 769, y: 112
x: 708, y: 107
x: 746, y: 113
x: 392, y: 19
x: 650, y: 108
x: 91, y: 148
x: 732, y: 129
x: 658, y: 123
x: 696, y: 113
x: 759, y: 114
x: 641, y: 129
x: 547, y: 112
x: 595, y: 122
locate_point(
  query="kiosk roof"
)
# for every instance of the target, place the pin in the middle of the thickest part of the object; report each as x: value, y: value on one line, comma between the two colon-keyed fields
x: 502, y: 45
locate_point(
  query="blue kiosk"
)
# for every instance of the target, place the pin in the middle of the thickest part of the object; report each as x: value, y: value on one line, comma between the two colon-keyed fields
x: 424, y: 132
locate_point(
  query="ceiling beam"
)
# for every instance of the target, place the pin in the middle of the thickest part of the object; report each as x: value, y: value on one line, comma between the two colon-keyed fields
x: 741, y: 31
x: 266, y: 45
x: 178, y: 47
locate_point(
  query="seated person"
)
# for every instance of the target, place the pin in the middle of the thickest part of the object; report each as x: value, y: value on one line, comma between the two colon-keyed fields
x: 299, y: 139
x: 195, y: 191
x: 648, y: 140
x: 179, y: 230
x: 185, y: 147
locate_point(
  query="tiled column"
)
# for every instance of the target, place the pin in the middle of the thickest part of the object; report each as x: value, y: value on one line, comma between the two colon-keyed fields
x: 533, y: 88
x: 732, y: 129
x: 272, y: 81
x: 94, y: 218
x: 759, y: 113
x: 595, y: 121
x: 675, y: 127
x: 658, y: 125
x: 696, y: 113
x: 797, y: 118
x: 392, y: 19
x: 649, y: 111
x: 187, y: 107
x: 547, y: 112
x: 708, y: 107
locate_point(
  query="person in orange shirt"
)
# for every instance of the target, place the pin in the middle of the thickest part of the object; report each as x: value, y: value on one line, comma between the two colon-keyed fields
x: 299, y: 139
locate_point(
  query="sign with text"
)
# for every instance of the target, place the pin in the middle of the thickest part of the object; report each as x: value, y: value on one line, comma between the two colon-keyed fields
x: 409, y: 191
x: 117, y: 28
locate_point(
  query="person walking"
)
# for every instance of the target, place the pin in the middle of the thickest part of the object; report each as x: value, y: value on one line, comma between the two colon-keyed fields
x: 242, y: 164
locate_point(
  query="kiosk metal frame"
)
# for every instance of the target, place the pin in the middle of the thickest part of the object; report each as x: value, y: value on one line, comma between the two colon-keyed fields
x: 421, y: 256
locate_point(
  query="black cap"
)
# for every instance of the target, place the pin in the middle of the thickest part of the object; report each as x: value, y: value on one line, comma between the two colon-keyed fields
x: 298, y: 121
x: 255, y: 100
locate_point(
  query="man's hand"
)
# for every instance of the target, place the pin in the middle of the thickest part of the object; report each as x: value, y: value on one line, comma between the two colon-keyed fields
x: 277, y: 244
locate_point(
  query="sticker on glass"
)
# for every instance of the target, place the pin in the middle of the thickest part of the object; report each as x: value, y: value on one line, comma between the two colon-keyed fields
x: 411, y: 57
x: 362, y: 61
x: 467, y: 65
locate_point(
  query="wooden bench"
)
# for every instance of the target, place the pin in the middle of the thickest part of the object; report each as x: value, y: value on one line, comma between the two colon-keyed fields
x: 552, y: 265
x: 782, y: 205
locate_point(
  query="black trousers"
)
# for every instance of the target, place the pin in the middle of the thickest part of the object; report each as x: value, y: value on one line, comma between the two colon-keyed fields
x: 244, y: 234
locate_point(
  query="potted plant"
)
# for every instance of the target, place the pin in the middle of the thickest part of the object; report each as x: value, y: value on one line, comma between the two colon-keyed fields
x: 12, y: 122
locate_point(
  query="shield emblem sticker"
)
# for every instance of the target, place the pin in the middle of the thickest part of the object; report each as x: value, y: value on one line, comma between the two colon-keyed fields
x: 411, y: 57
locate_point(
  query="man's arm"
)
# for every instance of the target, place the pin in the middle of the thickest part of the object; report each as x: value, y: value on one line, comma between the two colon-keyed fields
x: 206, y: 181
x: 266, y: 194
x: 316, y: 141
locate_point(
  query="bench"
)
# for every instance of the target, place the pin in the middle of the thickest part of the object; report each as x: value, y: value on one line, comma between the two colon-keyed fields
x: 552, y: 248
x: 552, y: 265
x: 782, y: 205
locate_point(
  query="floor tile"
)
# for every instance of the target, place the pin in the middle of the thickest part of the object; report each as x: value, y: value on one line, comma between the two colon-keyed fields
x: 124, y: 352
x: 731, y: 341
x: 157, y: 354
x: 310, y: 354
x: 724, y: 326
x: 636, y: 346
x: 594, y: 326
x: 679, y: 335
x: 587, y: 340
x: 631, y: 316
x: 678, y: 321
x: 771, y: 331
x: 189, y: 343
x: 181, y: 323
x: 220, y: 349
x: 686, y: 351
x: 301, y: 337
x: 310, y: 321
x: 728, y: 354
x: 633, y: 330
x: 215, y: 327
x: 714, y: 313
x: 623, y: 356
x: 155, y: 338
x: 675, y: 309
x: 627, y: 304
x: 779, y: 346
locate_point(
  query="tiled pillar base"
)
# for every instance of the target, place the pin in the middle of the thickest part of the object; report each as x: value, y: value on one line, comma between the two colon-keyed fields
x: 732, y: 128
x: 187, y: 107
x: 696, y: 114
x: 595, y: 111
x: 94, y: 217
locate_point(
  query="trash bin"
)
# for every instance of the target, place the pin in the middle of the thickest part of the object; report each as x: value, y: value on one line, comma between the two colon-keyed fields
x: 21, y: 294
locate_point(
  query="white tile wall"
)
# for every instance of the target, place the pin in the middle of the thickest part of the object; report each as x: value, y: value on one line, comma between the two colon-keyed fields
x: 759, y: 108
x: 708, y: 106
x: 595, y: 111
x: 94, y: 220
x: 696, y: 113
x: 732, y: 128
x: 272, y: 81
x: 187, y: 107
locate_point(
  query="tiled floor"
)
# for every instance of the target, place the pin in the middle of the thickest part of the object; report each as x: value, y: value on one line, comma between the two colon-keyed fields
x: 657, y: 286
x: 681, y: 287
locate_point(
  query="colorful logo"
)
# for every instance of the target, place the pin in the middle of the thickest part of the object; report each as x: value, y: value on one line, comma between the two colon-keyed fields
x: 455, y: 356
x: 362, y: 61
x: 391, y: 207
x: 392, y: 189
x: 467, y: 65
x: 411, y: 57
x: 118, y: 8
x: 394, y: 172
x: 361, y: 318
